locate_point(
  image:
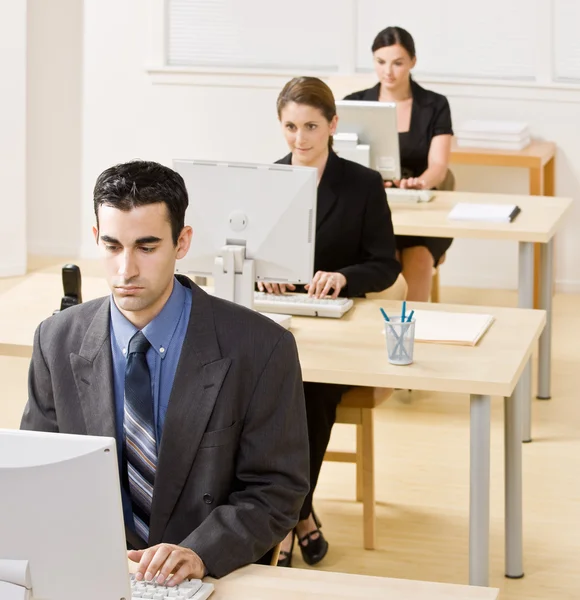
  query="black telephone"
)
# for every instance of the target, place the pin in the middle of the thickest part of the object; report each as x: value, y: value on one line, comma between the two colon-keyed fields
x: 71, y: 282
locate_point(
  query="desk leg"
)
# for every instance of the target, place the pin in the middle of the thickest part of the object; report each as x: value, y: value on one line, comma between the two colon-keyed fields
x: 545, y: 349
x: 513, y: 487
x: 479, y: 490
x: 526, y: 300
x: 537, y: 183
x: 368, y: 479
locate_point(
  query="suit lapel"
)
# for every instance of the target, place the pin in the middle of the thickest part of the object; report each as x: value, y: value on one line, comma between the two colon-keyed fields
x: 92, y: 369
x: 372, y: 93
x: 328, y: 189
x: 198, y: 380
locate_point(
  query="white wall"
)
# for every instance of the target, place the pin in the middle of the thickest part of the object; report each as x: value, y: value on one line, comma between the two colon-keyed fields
x: 125, y: 115
x: 13, y: 138
x: 54, y: 126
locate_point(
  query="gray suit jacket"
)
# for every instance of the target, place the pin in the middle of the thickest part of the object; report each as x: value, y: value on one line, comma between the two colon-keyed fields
x: 233, y: 460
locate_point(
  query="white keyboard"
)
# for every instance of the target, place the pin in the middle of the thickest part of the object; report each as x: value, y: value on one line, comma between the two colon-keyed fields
x: 193, y: 589
x: 301, y: 305
x: 397, y: 195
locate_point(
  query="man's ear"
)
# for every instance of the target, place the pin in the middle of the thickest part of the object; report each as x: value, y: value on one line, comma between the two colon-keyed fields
x: 184, y: 241
x: 96, y: 233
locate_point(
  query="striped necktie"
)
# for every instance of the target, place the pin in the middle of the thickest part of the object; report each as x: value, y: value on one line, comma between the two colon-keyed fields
x: 139, y: 430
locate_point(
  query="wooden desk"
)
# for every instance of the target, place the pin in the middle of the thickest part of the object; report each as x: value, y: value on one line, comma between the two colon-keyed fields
x: 538, y: 158
x: 352, y: 351
x: 258, y: 582
x: 537, y: 223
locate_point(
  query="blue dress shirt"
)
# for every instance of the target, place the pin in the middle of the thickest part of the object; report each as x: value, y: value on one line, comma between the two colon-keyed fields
x: 166, y: 333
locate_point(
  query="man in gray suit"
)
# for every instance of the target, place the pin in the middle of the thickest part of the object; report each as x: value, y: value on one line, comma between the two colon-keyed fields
x: 204, y: 397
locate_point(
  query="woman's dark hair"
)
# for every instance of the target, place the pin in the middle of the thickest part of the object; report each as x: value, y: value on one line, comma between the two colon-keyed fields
x: 138, y: 183
x: 310, y: 91
x: 395, y: 35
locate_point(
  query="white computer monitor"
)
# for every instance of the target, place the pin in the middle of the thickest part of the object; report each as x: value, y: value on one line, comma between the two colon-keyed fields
x: 367, y: 133
x: 61, y: 522
x: 251, y: 222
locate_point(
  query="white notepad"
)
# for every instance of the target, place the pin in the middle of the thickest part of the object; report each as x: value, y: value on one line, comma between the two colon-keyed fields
x: 492, y: 213
x: 463, y: 329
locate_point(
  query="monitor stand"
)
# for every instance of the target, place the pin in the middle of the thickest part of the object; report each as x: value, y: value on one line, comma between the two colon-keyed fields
x: 234, y: 276
x: 234, y: 280
x: 346, y: 146
x: 15, y: 580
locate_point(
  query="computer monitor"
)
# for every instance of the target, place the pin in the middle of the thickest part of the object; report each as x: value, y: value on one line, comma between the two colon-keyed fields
x: 61, y: 523
x: 251, y: 222
x: 367, y: 133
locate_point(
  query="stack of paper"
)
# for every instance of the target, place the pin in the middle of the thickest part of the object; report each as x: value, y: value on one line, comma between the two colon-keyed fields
x: 463, y: 329
x: 491, y: 213
x: 501, y: 135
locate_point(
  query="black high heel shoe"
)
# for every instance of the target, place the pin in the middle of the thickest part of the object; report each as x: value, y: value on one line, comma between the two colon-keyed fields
x: 314, y: 550
x: 285, y: 558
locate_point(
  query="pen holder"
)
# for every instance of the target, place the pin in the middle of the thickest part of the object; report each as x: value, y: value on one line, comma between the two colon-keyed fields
x: 400, y: 340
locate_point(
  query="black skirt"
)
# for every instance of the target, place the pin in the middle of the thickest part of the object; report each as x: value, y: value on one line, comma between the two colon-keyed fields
x: 436, y: 246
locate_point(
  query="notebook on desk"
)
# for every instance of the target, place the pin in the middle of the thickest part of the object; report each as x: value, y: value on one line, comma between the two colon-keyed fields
x: 439, y: 327
x: 492, y: 213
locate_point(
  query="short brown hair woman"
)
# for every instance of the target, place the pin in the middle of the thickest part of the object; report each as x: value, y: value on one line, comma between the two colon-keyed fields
x: 354, y: 254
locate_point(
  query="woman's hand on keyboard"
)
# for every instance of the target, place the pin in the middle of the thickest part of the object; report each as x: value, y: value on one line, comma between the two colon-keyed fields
x: 275, y: 288
x: 162, y: 560
x: 412, y: 183
x: 323, y: 282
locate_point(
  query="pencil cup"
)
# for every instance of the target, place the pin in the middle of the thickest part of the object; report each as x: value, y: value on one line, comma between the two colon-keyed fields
x: 400, y: 341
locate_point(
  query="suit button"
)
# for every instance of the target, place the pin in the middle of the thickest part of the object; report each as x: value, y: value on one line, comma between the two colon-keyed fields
x: 208, y: 498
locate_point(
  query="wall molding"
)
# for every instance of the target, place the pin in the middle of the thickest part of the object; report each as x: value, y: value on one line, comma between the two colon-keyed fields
x: 543, y: 86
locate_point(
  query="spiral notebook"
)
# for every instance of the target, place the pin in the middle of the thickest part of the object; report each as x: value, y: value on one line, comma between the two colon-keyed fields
x: 439, y: 327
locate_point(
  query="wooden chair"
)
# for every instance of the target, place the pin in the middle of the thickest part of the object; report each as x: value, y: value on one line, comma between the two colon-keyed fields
x: 356, y: 408
x: 275, y: 555
x: 398, y: 291
x: 448, y: 185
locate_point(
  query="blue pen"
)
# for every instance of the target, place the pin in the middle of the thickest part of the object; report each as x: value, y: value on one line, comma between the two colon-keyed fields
x: 384, y: 314
x: 403, y: 313
x: 410, y: 317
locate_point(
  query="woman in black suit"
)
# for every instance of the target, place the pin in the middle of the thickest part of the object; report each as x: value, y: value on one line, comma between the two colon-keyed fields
x: 424, y: 123
x: 354, y: 254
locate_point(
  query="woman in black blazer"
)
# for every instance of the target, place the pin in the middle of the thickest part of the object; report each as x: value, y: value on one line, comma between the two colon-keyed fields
x: 354, y: 254
x: 424, y: 123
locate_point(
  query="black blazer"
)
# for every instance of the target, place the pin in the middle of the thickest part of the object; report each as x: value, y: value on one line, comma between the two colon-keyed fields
x: 430, y: 116
x: 354, y: 231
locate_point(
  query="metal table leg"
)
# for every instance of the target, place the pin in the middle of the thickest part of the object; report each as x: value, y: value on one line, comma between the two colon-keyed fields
x: 545, y: 349
x: 526, y: 300
x: 513, y: 487
x: 479, y: 490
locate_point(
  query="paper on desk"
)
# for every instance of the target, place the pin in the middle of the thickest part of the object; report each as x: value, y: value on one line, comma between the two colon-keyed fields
x: 464, y: 329
x: 493, y: 213
x: 440, y: 327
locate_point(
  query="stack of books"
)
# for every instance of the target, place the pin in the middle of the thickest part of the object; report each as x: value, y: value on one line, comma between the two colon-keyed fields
x: 500, y: 135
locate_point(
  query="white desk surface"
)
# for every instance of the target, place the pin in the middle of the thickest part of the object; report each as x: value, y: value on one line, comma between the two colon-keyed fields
x: 258, y: 582
x: 540, y: 217
x: 350, y: 350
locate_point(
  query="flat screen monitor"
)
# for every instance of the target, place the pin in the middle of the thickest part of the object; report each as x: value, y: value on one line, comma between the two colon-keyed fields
x: 267, y: 212
x: 374, y: 125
